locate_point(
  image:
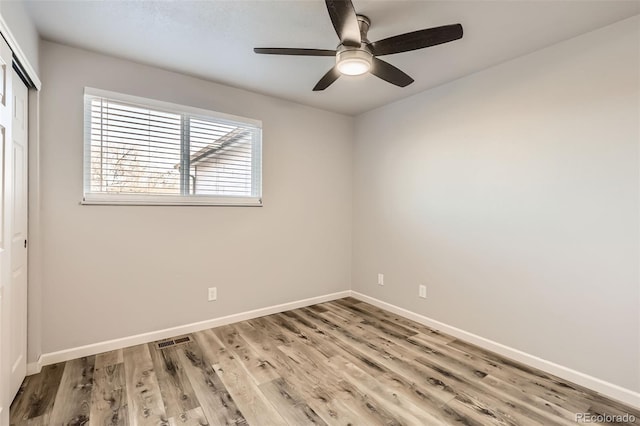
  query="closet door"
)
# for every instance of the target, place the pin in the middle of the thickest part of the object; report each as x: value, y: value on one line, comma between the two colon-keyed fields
x: 6, y: 75
x: 16, y: 210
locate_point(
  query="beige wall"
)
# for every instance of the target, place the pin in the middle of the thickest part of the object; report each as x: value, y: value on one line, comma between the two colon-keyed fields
x: 110, y: 272
x: 512, y: 194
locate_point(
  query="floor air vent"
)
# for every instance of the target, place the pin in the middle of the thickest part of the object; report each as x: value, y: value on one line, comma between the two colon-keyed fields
x: 173, y: 342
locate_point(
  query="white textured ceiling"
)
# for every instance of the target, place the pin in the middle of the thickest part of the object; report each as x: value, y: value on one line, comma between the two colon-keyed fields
x: 214, y: 39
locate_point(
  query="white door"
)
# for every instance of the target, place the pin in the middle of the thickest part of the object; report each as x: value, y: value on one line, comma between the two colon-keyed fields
x: 17, y: 215
x: 6, y: 75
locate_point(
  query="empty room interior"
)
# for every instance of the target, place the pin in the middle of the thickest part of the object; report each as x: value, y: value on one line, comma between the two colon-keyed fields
x: 327, y: 212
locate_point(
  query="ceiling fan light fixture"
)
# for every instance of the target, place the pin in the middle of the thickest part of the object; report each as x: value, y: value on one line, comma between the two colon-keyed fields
x: 353, y: 62
x: 356, y: 55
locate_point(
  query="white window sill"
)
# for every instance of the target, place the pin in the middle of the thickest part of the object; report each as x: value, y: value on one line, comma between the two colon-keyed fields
x: 123, y: 200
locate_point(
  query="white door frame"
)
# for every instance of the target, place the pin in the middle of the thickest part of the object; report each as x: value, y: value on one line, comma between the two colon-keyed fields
x: 18, y: 53
x: 34, y: 309
x: 6, y: 119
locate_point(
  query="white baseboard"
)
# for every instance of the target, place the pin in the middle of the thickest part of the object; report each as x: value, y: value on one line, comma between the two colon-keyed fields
x: 610, y: 390
x: 34, y: 368
x: 110, y: 345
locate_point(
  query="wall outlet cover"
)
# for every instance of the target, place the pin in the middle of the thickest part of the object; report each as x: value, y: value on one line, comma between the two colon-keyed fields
x: 213, y: 293
x: 422, y: 291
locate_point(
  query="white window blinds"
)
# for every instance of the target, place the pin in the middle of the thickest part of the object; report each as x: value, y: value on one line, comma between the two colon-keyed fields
x: 140, y: 151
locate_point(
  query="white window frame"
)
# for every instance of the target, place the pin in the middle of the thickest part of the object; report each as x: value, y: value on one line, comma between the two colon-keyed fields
x: 90, y: 198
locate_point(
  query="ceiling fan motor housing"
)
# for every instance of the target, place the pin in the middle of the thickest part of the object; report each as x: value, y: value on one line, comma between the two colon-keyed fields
x: 352, y: 60
x: 364, y: 23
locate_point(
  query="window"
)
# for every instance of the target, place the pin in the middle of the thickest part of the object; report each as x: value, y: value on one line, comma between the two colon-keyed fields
x: 140, y: 151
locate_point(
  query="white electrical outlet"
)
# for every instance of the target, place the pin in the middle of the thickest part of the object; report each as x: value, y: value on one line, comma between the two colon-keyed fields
x: 381, y: 279
x: 213, y: 293
x: 422, y: 291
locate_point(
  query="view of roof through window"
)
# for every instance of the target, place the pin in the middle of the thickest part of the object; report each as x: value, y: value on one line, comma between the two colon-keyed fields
x: 220, y: 158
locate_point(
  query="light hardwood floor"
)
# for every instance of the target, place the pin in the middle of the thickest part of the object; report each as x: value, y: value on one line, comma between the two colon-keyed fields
x: 338, y: 363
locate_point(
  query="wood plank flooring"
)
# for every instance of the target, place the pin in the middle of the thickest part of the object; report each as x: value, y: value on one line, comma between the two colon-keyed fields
x: 338, y: 363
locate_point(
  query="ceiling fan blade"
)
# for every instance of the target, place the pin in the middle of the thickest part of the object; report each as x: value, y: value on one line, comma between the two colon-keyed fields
x: 389, y: 73
x: 416, y: 40
x: 327, y: 80
x: 344, y: 20
x: 293, y: 51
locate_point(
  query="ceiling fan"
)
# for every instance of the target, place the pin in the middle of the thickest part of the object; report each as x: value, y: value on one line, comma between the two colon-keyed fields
x: 356, y: 55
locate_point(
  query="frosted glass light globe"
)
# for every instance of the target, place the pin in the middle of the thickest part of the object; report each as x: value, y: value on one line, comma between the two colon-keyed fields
x: 353, y: 62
